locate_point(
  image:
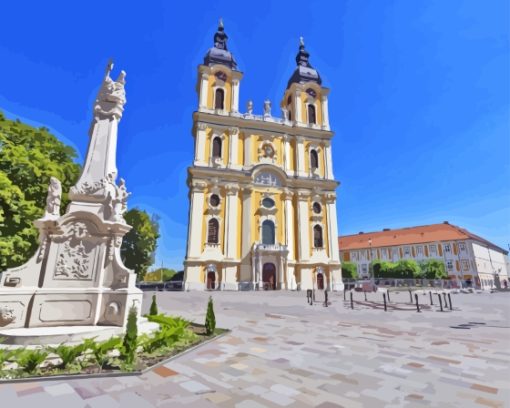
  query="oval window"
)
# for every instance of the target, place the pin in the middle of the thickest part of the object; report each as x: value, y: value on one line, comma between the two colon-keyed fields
x: 317, y: 208
x: 214, y: 200
x: 268, y: 202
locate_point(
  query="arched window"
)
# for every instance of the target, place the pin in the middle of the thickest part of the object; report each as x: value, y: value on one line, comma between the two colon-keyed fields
x: 212, y: 233
x: 311, y: 114
x: 218, y: 98
x: 314, y: 159
x: 216, y: 148
x: 317, y: 236
x: 268, y: 232
x: 317, y: 208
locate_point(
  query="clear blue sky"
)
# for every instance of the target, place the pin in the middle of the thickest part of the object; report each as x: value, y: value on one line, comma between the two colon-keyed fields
x: 419, y: 96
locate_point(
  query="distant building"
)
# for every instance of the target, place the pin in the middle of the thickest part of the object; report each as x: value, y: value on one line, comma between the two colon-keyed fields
x: 469, y: 259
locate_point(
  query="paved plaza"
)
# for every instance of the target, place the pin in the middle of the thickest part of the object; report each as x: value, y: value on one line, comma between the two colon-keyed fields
x: 283, y: 352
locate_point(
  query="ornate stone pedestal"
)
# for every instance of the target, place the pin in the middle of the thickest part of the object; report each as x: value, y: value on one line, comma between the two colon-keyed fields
x: 76, y: 277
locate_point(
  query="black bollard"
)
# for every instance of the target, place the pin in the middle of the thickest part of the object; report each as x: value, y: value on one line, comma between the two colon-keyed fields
x: 440, y: 301
x: 344, y: 294
x: 326, y: 298
x: 365, y: 295
x: 384, y: 298
x: 388, y: 293
x: 431, y: 301
x: 410, y: 297
x: 450, y: 300
x: 417, y: 304
x: 352, y: 303
x: 445, y: 301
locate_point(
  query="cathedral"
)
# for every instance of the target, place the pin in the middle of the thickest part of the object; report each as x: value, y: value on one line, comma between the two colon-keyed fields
x: 262, y: 192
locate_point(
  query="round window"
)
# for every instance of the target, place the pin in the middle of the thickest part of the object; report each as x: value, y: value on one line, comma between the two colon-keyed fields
x: 214, y: 200
x: 268, y: 202
x: 317, y: 208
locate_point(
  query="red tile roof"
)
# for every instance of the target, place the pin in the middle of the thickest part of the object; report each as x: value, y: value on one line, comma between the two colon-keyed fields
x: 410, y: 235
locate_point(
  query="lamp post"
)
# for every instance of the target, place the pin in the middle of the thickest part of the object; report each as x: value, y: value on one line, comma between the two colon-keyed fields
x: 370, y: 255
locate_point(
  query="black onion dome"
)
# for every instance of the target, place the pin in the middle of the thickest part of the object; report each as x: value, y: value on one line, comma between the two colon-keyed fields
x: 219, y: 54
x: 304, y: 71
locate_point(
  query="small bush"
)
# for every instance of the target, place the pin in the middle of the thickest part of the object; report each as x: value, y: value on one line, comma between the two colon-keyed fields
x: 154, y: 306
x: 101, y: 351
x: 68, y: 354
x: 130, y: 343
x: 210, y: 319
x: 30, y: 360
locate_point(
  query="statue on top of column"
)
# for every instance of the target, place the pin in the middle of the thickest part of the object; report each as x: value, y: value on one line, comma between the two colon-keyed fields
x: 53, y: 199
x: 111, y: 97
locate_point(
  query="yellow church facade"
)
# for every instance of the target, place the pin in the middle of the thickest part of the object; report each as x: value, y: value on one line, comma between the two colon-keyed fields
x: 262, y: 191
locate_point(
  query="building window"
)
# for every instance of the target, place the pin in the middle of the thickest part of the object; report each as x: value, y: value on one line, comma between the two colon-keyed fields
x: 214, y: 200
x: 317, y: 236
x: 212, y: 233
x: 216, y: 150
x: 407, y: 251
x: 268, y: 232
x: 462, y: 246
x: 316, y: 208
x: 465, y: 265
x: 219, y: 97
x: 394, y: 253
x: 419, y: 250
x: 433, y: 250
x: 364, y: 269
x: 314, y: 159
x: 447, y: 247
x: 449, y: 265
x: 268, y: 202
x: 311, y: 114
x: 354, y: 256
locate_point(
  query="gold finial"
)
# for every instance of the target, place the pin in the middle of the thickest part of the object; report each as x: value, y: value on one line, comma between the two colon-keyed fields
x: 301, y: 41
x: 221, y: 22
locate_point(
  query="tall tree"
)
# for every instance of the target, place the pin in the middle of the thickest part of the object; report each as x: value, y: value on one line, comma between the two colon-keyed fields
x: 139, y: 244
x: 28, y: 158
x: 349, y: 270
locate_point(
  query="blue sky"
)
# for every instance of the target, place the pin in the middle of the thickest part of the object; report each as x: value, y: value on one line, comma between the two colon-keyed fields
x: 420, y: 97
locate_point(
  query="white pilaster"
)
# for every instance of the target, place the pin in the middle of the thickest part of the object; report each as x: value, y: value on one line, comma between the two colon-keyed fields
x: 231, y: 239
x: 233, y: 149
x: 289, y: 224
x: 246, y: 269
x: 200, y: 144
x: 235, y: 95
x: 286, y: 153
x: 196, y: 220
x: 334, y: 253
x: 325, y: 113
x: 329, y: 162
x: 303, y: 227
x: 300, y: 156
x: 204, y: 90
x: 247, y: 149
x: 299, y: 113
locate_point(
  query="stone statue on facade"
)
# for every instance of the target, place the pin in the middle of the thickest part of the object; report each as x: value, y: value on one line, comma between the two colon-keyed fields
x: 267, y: 108
x: 249, y: 107
x: 53, y: 199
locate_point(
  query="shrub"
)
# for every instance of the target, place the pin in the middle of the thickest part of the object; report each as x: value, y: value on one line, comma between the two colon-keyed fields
x: 154, y: 306
x: 433, y: 269
x: 407, y: 269
x: 349, y: 270
x: 171, y: 330
x: 68, y: 354
x: 130, y: 343
x: 210, y: 319
x: 102, y: 350
x: 30, y: 360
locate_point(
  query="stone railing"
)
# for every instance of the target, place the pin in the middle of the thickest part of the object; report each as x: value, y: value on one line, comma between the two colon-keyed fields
x: 258, y: 246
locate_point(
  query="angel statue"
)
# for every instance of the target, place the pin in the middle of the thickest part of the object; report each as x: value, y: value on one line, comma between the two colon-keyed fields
x: 53, y: 199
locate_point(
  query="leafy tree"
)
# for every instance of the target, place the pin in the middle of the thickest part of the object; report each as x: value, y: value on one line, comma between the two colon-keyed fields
x: 407, y: 269
x: 28, y: 158
x: 160, y: 274
x: 210, y: 319
x: 433, y: 269
x: 129, y: 343
x: 154, y: 306
x: 349, y: 270
x: 139, y: 244
x: 383, y: 269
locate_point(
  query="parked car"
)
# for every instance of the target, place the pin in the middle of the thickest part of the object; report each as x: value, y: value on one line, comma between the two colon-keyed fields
x: 365, y: 286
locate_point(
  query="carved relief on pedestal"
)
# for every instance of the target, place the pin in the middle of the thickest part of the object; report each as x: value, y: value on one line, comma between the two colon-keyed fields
x: 6, y: 316
x: 75, y: 254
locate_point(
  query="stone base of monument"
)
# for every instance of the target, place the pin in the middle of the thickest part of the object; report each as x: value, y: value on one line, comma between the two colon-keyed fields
x: 35, y: 336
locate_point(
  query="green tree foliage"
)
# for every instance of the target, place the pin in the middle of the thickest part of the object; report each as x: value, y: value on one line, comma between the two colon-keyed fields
x: 382, y: 269
x: 154, y: 306
x: 349, y: 270
x: 433, y: 269
x: 407, y: 269
x: 139, y: 244
x: 160, y: 274
x: 28, y: 158
x: 210, y: 319
x: 129, y: 343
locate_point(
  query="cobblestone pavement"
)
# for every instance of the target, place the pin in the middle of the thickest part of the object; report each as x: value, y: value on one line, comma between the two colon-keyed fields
x: 284, y: 353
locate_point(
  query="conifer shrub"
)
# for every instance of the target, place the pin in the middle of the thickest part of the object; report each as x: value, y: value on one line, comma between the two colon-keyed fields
x: 130, y: 337
x: 210, y: 319
x: 154, y: 306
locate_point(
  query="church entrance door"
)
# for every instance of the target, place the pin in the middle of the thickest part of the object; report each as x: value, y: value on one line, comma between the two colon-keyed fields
x: 320, y: 281
x: 269, y: 276
x: 211, y: 280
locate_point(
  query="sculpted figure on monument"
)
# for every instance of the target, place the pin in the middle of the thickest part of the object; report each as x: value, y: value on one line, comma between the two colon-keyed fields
x: 53, y: 199
x: 6, y: 316
x: 112, y: 96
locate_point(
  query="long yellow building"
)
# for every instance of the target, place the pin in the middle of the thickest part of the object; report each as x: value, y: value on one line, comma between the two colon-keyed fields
x: 262, y: 191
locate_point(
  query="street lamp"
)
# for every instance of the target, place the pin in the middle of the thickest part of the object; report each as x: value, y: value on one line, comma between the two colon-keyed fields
x: 370, y: 255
